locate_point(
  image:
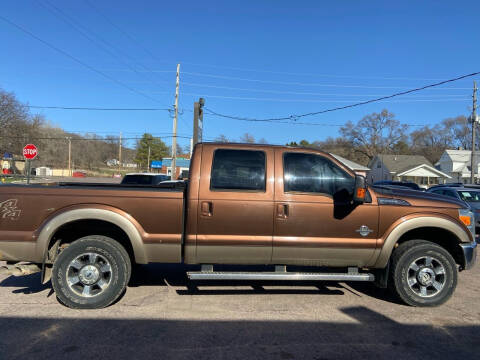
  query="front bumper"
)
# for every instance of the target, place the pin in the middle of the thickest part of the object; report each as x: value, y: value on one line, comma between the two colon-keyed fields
x: 469, y: 254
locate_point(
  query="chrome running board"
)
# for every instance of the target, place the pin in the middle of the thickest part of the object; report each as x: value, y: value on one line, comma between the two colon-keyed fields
x: 290, y: 276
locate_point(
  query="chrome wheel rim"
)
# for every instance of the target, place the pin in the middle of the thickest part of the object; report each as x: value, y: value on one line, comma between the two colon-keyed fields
x: 89, y: 274
x: 426, y: 276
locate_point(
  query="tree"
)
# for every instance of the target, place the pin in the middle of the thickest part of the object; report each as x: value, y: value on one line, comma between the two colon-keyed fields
x: 15, y: 123
x: 459, y: 131
x: 305, y: 143
x: 430, y: 142
x: 247, y: 139
x: 158, y: 150
x: 221, y: 138
x: 375, y: 133
x: 263, y: 141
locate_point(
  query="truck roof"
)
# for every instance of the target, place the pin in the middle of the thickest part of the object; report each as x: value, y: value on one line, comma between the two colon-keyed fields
x: 215, y: 143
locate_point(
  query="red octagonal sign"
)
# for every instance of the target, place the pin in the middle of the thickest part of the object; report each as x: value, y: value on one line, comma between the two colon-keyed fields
x: 30, y: 151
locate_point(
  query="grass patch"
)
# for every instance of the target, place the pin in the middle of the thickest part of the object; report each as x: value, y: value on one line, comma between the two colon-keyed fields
x: 8, y: 179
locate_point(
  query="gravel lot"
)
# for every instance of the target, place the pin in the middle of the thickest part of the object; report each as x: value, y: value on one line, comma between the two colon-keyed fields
x: 164, y: 316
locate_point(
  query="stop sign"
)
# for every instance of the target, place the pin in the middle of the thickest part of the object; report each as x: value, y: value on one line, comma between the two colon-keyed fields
x: 30, y: 151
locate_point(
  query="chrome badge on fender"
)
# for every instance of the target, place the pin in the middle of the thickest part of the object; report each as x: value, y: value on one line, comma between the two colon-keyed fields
x: 9, y: 210
x: 364, y: 230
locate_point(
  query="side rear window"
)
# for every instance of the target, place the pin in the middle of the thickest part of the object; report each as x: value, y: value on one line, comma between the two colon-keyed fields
x: 238, y: 170
x: 310, y: 173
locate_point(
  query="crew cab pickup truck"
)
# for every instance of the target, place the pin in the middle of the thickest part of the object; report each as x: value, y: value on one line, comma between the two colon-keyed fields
x: 276, y: 206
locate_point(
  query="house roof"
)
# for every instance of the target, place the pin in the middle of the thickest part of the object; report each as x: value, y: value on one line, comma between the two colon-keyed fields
x: 461, y: 155
x: 350, y: 164
x: 401, y: 163
x: 424, y: 170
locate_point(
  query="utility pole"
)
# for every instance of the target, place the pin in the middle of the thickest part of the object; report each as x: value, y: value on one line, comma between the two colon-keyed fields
x: 474, y: 125
x: 174, y: 139
x: 198, y: 121
x: 148, y: 159
x: 120, y: 152
x: 69, y: 156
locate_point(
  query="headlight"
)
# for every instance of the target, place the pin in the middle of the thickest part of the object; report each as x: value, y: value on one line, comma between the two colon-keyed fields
x: 466, y: 216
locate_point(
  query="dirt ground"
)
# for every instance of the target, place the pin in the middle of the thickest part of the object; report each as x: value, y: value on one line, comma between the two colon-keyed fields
x: 164, y: 316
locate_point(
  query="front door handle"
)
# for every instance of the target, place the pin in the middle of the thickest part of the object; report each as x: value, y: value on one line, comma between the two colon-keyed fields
x: 207, y: 208
x: 282, y: 211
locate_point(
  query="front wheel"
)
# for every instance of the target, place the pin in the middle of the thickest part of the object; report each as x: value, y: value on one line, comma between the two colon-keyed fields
x: 423, y: 273
x: 91, y: 273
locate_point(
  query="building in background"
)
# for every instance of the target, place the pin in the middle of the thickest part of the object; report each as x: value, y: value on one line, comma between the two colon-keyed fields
x: 12, y: 164
x: 355, y: 167
x: 457, y: 163
x: 164, y: 166
x: 413, y: 168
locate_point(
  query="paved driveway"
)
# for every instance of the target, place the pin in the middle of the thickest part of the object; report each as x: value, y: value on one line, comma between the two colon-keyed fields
x: 163, y: 316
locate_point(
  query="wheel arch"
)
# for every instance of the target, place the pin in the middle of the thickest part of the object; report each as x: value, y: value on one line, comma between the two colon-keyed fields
x: 437, y: 229
x: 88, y: 213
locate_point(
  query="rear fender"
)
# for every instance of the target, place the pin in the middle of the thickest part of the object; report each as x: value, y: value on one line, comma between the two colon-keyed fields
x: 92, y: 212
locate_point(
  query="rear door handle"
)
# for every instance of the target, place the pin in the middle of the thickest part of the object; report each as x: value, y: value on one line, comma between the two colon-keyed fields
x: 207, y: 208
x: 282, y: 211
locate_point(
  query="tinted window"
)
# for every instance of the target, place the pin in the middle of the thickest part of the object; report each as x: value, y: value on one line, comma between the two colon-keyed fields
x: 469, y: 196
x: 314, y: 174
x: 138, y: 179
x: 450, y: 193
x: 238, y: 170
x: 160, y: 178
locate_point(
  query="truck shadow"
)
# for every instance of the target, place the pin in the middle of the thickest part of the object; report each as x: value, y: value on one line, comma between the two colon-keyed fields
x: 362, y: 334
x: 28, y: 284
x: 175, y: 275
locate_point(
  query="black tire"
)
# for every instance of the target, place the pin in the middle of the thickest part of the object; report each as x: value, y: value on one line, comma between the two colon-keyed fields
x: 100, y: 264
x: 409, y: 263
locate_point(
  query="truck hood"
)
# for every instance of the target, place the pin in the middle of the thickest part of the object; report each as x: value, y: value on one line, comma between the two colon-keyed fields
x: 418, y: 198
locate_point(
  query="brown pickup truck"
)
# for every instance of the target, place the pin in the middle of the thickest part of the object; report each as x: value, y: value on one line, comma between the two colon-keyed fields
x: 280, y: 207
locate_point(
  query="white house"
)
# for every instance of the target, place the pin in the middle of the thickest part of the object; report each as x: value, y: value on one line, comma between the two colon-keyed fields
x: 413, y: 168
x: 352, y: 165
x: 457, y: 163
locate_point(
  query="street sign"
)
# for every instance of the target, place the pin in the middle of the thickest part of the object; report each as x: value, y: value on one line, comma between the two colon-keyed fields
x: 30, y: 152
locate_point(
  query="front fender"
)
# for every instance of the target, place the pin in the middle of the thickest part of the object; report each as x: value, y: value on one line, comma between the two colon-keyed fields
x: 401, y: 227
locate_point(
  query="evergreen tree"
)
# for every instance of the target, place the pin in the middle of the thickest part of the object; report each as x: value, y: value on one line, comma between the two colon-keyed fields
x: 158, y: 150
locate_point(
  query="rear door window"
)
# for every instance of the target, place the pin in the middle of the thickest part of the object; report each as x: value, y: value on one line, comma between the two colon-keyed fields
x: 238, y: 170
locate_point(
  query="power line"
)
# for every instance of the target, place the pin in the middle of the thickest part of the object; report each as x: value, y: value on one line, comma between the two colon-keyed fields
x: 123, y: 32
x: 89, y: 139
x: 294, y: 117
x: 309, y: 74
x: 95, y: 38
x: 313, y: 100
x: 75, y: 59
x: 298, y: 93
x: 96, y: 108
x: 289, y: 83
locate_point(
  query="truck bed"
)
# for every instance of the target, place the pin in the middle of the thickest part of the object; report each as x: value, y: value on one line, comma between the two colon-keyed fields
x: 155, y: 212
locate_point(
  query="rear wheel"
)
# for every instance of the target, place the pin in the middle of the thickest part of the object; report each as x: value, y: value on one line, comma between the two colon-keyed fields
x: 91, y: 273
x: 423, y: 273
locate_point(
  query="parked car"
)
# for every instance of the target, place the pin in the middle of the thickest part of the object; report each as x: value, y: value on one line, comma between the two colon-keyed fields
x: 407, y: 184
x: 244, y: 204
x: 144, y: 179
x: 470, y: 194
